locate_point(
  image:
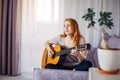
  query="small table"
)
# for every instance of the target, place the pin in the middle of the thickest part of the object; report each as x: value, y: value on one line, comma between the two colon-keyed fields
x: 94, y: 74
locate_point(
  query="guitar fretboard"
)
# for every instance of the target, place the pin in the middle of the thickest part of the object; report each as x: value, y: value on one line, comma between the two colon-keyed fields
x: 79, y: 48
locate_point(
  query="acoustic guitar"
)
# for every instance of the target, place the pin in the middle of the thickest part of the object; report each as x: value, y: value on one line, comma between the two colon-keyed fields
x: 58, y: 52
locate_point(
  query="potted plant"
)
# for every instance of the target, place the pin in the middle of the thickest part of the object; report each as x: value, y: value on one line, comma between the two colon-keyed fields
x: 105, y: 21
x: 108, y: 58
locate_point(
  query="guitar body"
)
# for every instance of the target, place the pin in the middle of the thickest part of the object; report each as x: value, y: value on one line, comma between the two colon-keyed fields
x: 50, y: 60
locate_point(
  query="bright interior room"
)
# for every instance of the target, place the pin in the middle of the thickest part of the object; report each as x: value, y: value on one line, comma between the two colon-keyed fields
x: 25, y: 26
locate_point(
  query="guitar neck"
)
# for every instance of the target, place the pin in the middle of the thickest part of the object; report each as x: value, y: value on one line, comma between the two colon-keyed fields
x: 67, y: 51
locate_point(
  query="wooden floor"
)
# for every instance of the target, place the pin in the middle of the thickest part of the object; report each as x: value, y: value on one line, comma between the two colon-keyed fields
x: 26, y: 76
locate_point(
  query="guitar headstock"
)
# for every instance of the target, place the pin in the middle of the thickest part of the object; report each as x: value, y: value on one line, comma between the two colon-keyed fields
x: 86, y: 46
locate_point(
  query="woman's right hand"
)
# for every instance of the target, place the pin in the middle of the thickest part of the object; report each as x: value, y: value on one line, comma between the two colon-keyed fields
x: 50, y: 52
x: 49, y: 49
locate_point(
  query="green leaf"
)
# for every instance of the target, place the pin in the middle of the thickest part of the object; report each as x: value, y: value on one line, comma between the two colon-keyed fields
x: 89, y: 16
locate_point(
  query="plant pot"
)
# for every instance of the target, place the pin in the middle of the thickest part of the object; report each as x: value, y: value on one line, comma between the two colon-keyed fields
x: 109, y: 60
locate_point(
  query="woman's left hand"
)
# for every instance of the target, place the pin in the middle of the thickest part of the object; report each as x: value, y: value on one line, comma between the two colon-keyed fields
x: 74, y: 52
x: 83, y: 54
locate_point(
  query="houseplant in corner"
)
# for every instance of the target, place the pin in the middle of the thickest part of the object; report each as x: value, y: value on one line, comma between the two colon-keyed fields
x: 108, y: 58
x: 105, y: 22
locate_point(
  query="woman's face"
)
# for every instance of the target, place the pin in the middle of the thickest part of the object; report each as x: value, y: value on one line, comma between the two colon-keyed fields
x: 67, y: 28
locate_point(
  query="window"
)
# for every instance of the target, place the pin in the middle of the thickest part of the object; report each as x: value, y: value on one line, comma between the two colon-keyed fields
x: 46, y: 10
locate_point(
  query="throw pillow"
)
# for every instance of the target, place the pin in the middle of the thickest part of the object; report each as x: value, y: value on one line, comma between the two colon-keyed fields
x: 114, y: 42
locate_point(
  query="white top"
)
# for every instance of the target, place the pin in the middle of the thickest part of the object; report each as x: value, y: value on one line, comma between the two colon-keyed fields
x: 70, y: 60
x: 60, y: 40
x: 95, y: 75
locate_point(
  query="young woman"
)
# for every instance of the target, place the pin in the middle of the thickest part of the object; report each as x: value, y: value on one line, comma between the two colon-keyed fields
x: 71, y: 37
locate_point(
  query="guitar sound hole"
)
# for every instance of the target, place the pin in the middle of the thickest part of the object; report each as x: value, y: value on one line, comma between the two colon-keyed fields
x: 62, y: 60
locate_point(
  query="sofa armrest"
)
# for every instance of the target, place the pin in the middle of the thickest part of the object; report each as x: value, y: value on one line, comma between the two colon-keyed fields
x: 56, y: 74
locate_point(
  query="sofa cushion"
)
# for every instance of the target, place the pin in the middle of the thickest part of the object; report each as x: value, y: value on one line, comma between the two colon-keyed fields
x: 57, y: 74
x: 92, y: 57
x: 113, y: 42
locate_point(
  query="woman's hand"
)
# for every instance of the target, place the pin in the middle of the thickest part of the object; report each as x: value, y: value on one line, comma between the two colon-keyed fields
x: 84, y: 53
x: 50, y: 52
x: 49, y: 49
x: 74, y: 52
x: 81, y: 55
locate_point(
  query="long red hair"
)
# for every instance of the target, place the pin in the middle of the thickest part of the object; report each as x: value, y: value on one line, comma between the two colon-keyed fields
x: 75, y: 30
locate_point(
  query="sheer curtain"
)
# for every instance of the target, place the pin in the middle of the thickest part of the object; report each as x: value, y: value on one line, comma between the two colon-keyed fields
x: 43, y: 19
x: 39, y: 23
